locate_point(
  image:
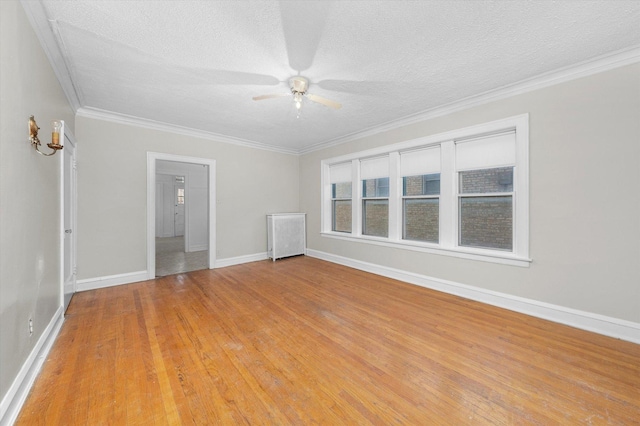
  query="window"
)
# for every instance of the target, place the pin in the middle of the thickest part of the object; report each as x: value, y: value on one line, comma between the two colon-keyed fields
x: 486, y: 208
x: 421, y: 194
x: 485, y: 191
x: 180, y: 191
x: 462, y: 193
x: 375, y: 196
x: 341, y: 198
x: 375, y: 207
x: 341, y: 207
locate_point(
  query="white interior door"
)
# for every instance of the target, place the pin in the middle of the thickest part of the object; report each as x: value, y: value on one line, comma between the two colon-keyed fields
x: 69, y: 220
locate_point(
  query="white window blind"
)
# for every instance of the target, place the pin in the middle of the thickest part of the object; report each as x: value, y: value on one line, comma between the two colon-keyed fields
x: 486, y: 152
x: 372, y: 168
x: 340, y: 172
x: 420, y: 162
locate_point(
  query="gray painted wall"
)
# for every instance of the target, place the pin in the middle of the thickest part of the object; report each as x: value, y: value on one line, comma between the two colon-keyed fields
x: 584, y: 197
x: 29, y: 192
x: 112, y: 193
x: 584, y: 182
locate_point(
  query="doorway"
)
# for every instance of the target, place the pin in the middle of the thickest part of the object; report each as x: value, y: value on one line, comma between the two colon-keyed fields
x: 170, y: 199
x: 181, y: 217
x: 180, y: 214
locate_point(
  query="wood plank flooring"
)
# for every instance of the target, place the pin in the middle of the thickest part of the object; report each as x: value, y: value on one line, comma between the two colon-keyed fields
x: 302, y: 341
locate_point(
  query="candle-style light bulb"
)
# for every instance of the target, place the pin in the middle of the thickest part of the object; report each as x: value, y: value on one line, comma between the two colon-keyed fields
x: 297, y: 97
x: 56, y: 126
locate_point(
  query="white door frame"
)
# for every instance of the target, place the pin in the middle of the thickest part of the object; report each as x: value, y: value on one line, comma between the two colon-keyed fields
x: 151, y: 205
x: 70, y: 144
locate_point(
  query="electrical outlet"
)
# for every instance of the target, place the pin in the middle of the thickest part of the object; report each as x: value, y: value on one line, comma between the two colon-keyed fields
x: 30, y: 326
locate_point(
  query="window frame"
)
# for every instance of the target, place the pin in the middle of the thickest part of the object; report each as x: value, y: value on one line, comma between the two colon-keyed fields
x: 448, y: 244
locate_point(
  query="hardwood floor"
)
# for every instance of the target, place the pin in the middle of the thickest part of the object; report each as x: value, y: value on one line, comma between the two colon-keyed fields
x: 302, y: 341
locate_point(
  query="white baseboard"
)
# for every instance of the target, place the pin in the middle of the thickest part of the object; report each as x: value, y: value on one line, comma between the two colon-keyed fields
x: 230, y: 261
x: 111, y: 280
x: 608, y: 326
x: 19, y: 390
x: 198, y: 247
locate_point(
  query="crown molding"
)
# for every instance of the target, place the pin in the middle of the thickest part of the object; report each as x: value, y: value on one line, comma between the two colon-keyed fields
x: 46, y: 34
x: 599, y: 64
x: 131, y: 120
x: 593, y: 66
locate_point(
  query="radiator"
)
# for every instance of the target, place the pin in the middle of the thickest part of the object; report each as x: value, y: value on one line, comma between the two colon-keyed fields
x: 286, y: 235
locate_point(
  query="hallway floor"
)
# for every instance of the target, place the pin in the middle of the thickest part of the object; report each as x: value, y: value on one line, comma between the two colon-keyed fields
x: 171, y: 258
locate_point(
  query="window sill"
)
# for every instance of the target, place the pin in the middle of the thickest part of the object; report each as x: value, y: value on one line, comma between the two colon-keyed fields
x: 464, y: 253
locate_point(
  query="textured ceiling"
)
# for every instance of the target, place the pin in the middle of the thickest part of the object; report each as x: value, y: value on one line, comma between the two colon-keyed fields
x: 197, y: 64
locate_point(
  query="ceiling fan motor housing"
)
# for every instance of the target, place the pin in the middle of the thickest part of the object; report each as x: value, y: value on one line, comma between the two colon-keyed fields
x: 298, y: 84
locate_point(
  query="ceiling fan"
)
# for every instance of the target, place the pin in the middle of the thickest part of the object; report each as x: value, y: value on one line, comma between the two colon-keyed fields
x: 299, y: 86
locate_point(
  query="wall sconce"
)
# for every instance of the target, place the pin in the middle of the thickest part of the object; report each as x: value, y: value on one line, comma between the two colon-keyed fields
x: 57, y: 130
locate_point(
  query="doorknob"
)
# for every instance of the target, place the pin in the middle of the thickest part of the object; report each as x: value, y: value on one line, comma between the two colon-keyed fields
x: 67, y: 231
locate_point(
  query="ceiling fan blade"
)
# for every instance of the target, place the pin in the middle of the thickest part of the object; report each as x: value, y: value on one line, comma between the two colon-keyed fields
x: 223, y: 77
x: 302, y: 35
x: 324, y: 101
x: 131, y: 65
x: 274, y: 95
x: 372, y: 88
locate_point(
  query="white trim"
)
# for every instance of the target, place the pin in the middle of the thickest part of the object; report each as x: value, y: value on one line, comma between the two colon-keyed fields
x: 492, y: 256
x: 230, y: 261
x: 19, y: 390
x: 39, y: 20
x: 151, y: 205
x: 111, y: 280
x: 130, y: 120
x: 521, y: 207
x: 37, y: 17
x: 583, y: 69
x: 200, y: 247
x: 596, y: 65
x: 449, y: 214
x: 601, y: 324
x: 68, y: 138
x: 62, y: 212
